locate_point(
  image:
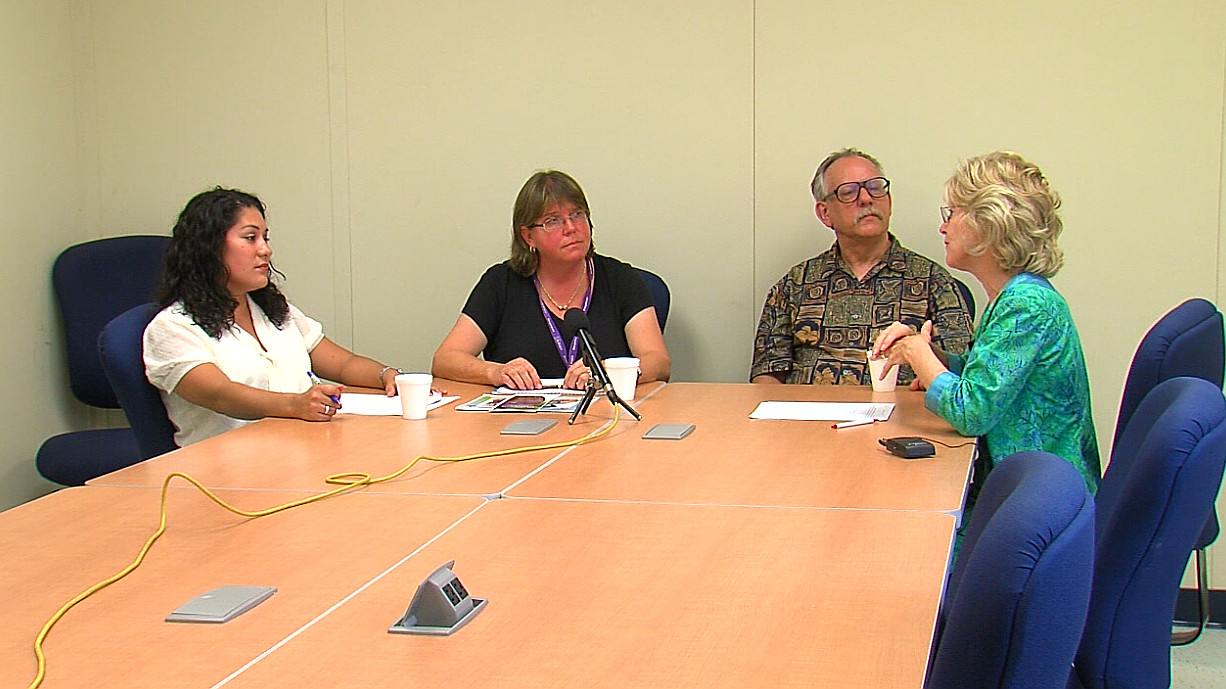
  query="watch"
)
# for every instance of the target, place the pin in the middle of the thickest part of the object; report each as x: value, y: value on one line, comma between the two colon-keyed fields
x: 385, y: 370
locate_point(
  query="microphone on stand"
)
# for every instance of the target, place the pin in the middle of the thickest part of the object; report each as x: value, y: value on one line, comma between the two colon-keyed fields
x: 576, y: 324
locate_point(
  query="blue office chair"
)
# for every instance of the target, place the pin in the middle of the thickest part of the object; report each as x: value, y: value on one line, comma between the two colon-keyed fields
x: 1164, y: 475
x: 121, y: 348
x: 966, y: 297
x: 659, y: 294
x: 94, y: 282
x: 1018, y: 595
x: 1187, y: 341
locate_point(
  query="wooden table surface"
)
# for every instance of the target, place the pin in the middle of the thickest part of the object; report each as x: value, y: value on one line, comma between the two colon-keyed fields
x: 729, y: 558
x: 731, y: 459
x: 589, y: 594
x: 292, y: 454
x: 317, y: 555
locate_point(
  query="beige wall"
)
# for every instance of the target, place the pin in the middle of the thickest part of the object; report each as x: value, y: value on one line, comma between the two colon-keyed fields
x: 38, y: 192
x: 648, y: 107
x: 389, y: 140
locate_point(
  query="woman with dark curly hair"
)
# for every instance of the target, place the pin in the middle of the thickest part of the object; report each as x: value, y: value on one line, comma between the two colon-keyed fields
x: 227, y: 348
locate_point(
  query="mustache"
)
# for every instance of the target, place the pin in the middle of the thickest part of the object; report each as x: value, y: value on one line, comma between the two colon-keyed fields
x: 867, y: 211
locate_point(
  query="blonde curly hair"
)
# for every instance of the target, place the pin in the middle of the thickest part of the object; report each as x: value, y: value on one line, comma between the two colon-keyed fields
x: 1010, y: 205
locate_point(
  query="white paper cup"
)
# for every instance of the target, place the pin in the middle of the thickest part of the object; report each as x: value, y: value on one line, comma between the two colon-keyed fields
x: 414, y: 391
x: 624, y: 374
x: 874, y: 370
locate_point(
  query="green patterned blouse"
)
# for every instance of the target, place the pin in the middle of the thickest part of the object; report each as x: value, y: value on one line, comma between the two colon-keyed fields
x: 1023, y: 383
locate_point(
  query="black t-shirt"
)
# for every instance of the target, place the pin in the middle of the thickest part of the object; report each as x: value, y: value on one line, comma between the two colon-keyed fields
x: 506, y: 307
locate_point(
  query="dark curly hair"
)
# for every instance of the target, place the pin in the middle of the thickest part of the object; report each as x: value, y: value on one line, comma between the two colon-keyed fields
x: 193, y: 271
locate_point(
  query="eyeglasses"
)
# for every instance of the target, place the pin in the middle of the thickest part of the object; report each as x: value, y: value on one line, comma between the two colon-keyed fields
x: 850, y: 191
x: 947, y: 212
x: 555, y: 223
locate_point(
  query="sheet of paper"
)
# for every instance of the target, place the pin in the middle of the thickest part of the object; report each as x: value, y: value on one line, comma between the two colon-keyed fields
x: 368, y: 404
x: 546, y: 384
x: 823, y: 411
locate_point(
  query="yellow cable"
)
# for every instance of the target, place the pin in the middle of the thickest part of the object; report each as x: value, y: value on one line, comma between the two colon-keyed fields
x: 344, y: 481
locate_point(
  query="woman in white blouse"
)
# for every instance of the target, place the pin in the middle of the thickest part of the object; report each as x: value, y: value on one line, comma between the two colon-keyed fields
x: 227, y: 348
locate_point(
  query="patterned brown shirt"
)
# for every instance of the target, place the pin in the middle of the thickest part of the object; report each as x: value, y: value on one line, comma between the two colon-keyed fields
x: 819, y: 321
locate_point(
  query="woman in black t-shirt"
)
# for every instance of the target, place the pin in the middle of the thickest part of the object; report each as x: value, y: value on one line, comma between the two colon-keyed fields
x: 513, y: 317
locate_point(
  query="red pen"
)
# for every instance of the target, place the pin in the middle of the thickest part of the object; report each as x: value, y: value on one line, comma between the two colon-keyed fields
x: 857, y: 422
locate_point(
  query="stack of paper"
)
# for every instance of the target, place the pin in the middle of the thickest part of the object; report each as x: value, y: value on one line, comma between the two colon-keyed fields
x: 367, y: 404
x: 823, y: 411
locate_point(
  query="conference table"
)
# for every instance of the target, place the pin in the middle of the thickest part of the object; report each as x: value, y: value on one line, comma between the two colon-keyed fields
x: 753, y: 552
x: 730, y: 459
x: 290, y: 454
x: 59, y: 545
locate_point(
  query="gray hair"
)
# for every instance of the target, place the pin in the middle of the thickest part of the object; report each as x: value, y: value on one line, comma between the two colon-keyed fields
x: 818, y: 185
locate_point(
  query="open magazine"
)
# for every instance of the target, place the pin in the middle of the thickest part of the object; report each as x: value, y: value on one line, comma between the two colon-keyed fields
x: 546, y: 400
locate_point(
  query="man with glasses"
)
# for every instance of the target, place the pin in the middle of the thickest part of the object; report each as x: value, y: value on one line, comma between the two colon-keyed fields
x: 821, y: 318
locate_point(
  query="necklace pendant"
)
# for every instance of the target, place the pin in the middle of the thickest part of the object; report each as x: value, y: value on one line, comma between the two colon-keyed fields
x: 564, y: 307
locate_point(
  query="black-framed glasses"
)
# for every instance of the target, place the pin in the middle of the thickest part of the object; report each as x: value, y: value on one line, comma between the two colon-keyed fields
x: 555, y: 223
x: 947, y: 212
x: 850, y: 191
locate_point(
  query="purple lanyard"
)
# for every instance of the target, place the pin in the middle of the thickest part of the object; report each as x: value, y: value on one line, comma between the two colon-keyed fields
x: 568, y: 354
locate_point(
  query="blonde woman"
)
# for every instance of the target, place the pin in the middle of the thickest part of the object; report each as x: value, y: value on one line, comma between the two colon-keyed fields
x: 1023, y: 384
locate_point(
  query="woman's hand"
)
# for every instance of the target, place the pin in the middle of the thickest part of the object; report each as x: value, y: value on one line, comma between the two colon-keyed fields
x: 388, y: 379
x: 577, y: 376
x: 890, y: 335
x: 319, y: 403
x: 909, y: 348
x: 517, y: 374
x: 917, y: 352
x: 206, y: 386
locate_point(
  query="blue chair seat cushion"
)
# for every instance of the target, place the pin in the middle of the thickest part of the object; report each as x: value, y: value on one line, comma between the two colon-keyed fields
x: 71, y: 459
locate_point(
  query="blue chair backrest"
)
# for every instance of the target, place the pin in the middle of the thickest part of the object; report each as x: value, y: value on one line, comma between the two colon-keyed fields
x: 659, y: 295
x: 1018, y: 595
x: 94, y: 282
x: 966, y: 297
x: 1187, y: 341
x: 1164, y: 475
x: 121, y: 348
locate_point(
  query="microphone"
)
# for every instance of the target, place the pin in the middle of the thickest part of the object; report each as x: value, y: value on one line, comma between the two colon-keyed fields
x: 576, y: 323
x: 574, y: 320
